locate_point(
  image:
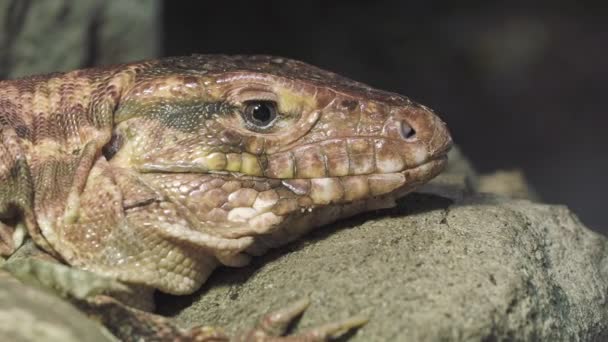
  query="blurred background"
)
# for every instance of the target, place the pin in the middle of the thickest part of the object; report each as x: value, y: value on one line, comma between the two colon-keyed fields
x: 520, y: 86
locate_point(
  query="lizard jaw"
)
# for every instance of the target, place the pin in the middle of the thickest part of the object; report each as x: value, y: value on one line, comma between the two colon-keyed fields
x: 317, y: 216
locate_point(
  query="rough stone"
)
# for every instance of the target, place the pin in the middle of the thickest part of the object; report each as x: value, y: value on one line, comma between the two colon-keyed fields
x: 511, y: 183
x: 28, y: 313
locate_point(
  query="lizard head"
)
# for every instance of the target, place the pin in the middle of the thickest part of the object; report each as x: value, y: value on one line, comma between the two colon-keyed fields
x: 269, y: 147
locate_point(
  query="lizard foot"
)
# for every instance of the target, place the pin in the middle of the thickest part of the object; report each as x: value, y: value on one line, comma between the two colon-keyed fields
x: 273, y: 325
x: 130, y: 324
x: 117, y: 312
x: 127, y: 323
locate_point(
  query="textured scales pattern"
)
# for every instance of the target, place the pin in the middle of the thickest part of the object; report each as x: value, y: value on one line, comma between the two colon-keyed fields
x: 149, y: 174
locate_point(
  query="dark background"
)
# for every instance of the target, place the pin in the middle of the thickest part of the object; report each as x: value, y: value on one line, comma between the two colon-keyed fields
x: 519, y: 86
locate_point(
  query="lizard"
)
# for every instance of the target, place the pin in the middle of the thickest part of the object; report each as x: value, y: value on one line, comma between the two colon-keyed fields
x: 154, y: 173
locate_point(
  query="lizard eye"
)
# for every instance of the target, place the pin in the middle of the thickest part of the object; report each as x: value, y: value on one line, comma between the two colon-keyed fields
x: 260, y: 114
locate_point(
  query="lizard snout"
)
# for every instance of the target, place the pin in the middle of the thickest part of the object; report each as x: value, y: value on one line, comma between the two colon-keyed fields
x: 418, y: 133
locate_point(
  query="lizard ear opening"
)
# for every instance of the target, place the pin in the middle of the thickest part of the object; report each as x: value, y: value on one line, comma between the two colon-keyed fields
x: 110, y: 149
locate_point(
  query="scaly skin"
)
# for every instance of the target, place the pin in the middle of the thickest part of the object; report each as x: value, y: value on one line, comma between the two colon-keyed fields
x: 153, y: 173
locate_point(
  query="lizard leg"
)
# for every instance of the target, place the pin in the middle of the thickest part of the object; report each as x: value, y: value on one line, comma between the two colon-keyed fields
x: 88, y: 291
x: 273, y: 325
x: 129, y: 324
x: 33, y: 266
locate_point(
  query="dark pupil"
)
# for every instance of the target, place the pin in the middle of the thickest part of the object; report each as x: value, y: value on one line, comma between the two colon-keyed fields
x: 262, y: 112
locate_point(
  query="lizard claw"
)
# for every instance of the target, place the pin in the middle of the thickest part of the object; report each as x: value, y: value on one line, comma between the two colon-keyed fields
x: 273, y: 325
x: 276, y: 323
x: 334, y: 330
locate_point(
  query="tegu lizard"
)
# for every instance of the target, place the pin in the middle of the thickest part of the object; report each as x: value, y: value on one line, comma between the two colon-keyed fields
x: 157, y: 172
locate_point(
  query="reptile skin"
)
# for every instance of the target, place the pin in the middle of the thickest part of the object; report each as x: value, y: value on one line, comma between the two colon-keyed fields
x: 154, y: 173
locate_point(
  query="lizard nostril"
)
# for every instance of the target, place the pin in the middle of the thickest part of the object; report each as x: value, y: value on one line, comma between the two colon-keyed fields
x: 407, y: 132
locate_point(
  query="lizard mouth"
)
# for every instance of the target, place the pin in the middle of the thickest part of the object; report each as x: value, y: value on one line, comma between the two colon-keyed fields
x: 324, y: 191
x: 423, y: 173
x: 249, y: 214
x: 430, y: 168
x: 276, y: 211
x: 418, y: 175
x: 392, y: 186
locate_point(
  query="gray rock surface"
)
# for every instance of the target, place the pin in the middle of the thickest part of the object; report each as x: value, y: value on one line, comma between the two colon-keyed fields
x: 511, y: 183
x: 446, y: 264
x: 28, y: 313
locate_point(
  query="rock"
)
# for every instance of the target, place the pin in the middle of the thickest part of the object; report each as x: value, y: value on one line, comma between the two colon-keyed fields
x: 511, y: 183
x: 28, y: 313
x: 446, y: 264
